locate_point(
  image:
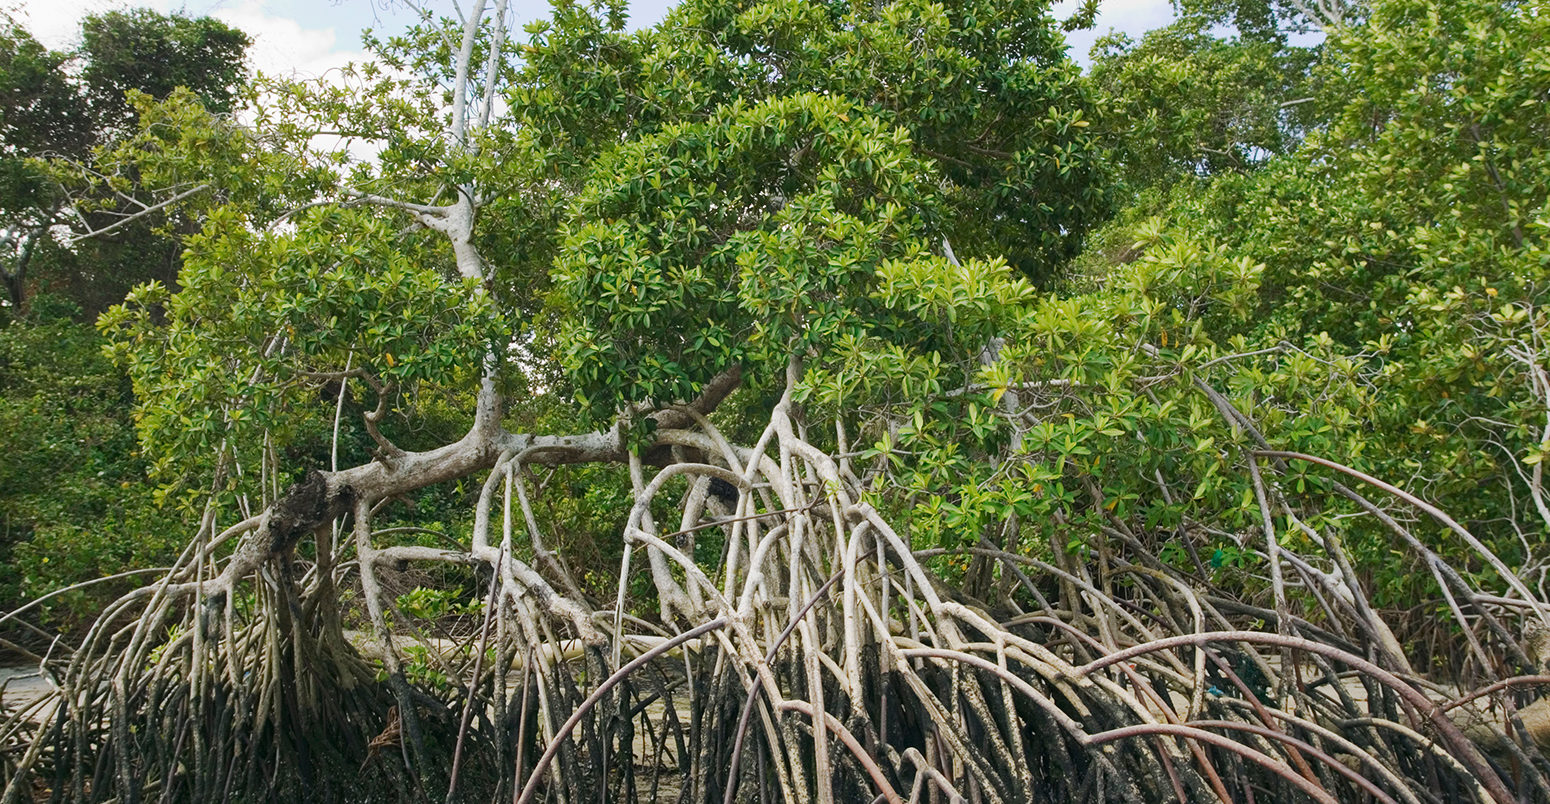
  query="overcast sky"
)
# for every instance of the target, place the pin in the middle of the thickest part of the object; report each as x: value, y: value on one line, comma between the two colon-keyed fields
x: 312, y: 36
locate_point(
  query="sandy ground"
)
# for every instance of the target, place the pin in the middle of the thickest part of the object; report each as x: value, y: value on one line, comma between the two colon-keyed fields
x: 20, y: 686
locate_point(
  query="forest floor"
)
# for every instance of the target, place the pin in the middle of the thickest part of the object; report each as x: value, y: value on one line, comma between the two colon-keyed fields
x: 21, y: 686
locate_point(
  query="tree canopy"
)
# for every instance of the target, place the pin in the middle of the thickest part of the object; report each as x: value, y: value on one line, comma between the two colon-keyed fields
x: 950, y: 417
x: 74, y: 477
x: 61, y: 106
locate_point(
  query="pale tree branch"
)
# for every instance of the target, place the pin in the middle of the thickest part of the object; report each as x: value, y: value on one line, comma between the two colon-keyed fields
x: 137, y: 215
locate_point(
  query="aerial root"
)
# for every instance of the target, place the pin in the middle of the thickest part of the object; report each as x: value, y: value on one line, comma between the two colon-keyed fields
x: 822, y: 659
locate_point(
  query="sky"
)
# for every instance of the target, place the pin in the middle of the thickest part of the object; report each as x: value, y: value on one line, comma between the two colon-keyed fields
x: 308, y: 38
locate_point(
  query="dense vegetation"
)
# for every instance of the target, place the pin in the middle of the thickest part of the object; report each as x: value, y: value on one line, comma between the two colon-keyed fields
x: 73, y: 485
x: 880, y: 403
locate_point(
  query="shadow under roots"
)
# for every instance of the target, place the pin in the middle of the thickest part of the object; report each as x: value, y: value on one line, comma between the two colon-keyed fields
x: 285, y: 709
x: 845, y: 670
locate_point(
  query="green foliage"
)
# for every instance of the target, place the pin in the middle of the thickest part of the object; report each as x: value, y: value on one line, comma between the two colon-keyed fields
x: 155, y: 54
x: 983, y: 89
x: 74, y: 504
x: 1276, y: 19
x: 263, y: 319
x: 1183, y: 102
x: 1409, y: 235
x: 1358, y: 275
x: 742, y: 202
x: 738, y: 241
x: 41, y: 110
x: 1372, y: 295
x: 69, y: 107
x: 434, y: 604
x: 74, y: 500
x: 1121, y: 435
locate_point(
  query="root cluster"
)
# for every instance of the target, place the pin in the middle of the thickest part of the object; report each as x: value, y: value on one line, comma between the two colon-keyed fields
x: 823, y: 659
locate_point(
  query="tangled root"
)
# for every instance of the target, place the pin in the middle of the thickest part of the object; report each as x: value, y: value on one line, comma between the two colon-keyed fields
x: 825, y: 659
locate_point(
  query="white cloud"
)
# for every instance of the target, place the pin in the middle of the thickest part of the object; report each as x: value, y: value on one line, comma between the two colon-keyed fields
x: 301, y: 38
x: 58, y: 24
x: 282, y: 47
x: 1134, y: 17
